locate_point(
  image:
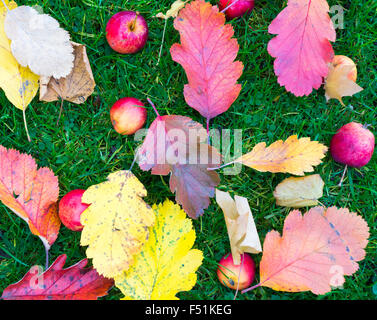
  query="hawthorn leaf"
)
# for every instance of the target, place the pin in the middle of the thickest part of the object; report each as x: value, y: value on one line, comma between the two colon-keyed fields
x: 341, y: 80
x: 116, y: 222
x: 302, y: 46
x: 30, y: 193
x: 76, y: 87
x: 19, y: 83
x: 207, y: 53
x: 167, y: 263
x: 299, y: 192
x: 173, y: 11
x: 242, y: 232
x: 295, y: 156
x: 56, y: 283
x: 175, y: 144
x: 38, y: 41
x: 315, y: 252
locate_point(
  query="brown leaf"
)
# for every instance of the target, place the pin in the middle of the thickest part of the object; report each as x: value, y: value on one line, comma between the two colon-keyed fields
x: 76, y: 87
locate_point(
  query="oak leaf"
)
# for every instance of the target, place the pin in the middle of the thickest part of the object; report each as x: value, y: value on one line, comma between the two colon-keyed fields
x: 167, y: 263
x: 56, y: 283
x: 207, y: 53
x: 39, y: 42
x: 116, y: 222
x: 302, y: 46
x: 299, y: 192
x: 295, y: 156
x: 242, y: 232
x: 315, y: 251
x: 30, y: 193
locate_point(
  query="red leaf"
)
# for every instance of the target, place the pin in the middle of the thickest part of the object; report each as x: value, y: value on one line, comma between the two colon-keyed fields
x: 207, y: 53
x: 73, y: 283
x: 173, y: 145
x: 302, y: 48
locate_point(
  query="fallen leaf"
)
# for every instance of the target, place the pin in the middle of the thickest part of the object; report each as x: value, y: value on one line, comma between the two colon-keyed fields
x: 30, y: 193
x: 299, y: 192
x: 56, y: 283
x: 302, y: 46
x: 116, y: 223
x: 207, y: 53
x: 76, y: 87
x: 315, y: 251
x: 174, y: 144
x: 295, y: 156
x: 39, y: 42
x: 167, y: 263
x: 173, y: 11
x: 341, y: 80
x: 242, y: 232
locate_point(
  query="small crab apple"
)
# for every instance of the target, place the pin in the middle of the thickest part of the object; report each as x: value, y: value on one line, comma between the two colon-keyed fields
x: 343, y: 60
x: 128, y: 115
x: 127, y: 32
x: 237, y: 8
x: 71, y: 208
x: 228, y: 272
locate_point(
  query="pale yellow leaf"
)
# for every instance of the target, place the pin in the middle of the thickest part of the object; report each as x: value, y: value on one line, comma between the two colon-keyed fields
x: 295, y: 156
x: 242, y: 232
x: 299, y: 192
x: 167, y: 263
x: 116, y: 223
x: 173, y: 11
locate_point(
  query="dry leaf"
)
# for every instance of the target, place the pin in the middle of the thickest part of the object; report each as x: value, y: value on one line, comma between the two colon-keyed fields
x: 340, y: 81
x: 76, y: 87
x: 242, y: 232
x: 173, y: 11
x: 39, y: 42
x: 295, y: 156
x: 299, y: 192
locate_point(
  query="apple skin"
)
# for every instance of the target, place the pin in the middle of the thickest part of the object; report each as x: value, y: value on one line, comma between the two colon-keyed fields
x: 227, y: 272
x: 352, y: 145
x: 71, y: 208
x: 128, y: 115
x: 237, y: 10
x: 343, y: 60
x: 127, y: 32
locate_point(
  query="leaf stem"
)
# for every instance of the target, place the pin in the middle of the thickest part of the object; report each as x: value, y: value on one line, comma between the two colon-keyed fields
x: 47, y: 260
x: 239, y: 276
x: 251, y: 288
x: 154, y: 107
x: 209, y: 139
x: 25, y: 124
x: 231, y: 5
x: 222, y: 166
x: 60, y: 112
x: 162, y: 42
x: 344, y: 174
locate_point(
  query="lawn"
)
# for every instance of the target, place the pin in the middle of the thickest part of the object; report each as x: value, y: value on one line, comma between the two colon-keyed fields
x: 83, y: 149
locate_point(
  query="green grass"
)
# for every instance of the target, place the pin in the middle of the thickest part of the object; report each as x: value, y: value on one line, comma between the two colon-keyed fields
x: 84, y: 148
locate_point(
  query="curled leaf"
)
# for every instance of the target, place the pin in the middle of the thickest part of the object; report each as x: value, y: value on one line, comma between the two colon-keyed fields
x: 173, y: 11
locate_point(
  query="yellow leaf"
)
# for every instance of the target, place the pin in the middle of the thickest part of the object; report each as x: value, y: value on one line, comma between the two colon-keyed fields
x: 167, y: 264
x: 295, y: 156
x: 116, y: 223
x: 299, y: 192
x: 340, y: 81
x: 242, y: 232
x: 19, y: 84
x: 173, y: 11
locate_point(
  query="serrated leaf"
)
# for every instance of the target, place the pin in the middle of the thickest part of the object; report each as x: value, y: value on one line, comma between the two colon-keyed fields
x: 167, y: 263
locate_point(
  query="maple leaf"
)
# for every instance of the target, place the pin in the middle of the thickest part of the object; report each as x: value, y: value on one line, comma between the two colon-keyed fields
x: 30, y: 193
x: 174, y: 145
x: 116, y: 222
x: 299, y: 192
x: 207, y: 53
x: 242, y: 232
x: 56, y: 283
x: 167, y: 263
x: 302, y: 46
x: 295, y: 156
x: 315, y: 251
x: 39, y: 42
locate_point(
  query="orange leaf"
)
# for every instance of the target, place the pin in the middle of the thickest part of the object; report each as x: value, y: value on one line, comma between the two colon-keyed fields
x: 30, y: 193
x: 207, y: 53
x: 315, y: 252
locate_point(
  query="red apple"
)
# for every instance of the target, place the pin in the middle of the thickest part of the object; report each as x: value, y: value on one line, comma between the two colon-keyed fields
x: 127, y: 32
x: 128, y: 115
x: 228, y: 273
x: 238, y: 9
x: 352, y: 145
x: 71, y: 208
